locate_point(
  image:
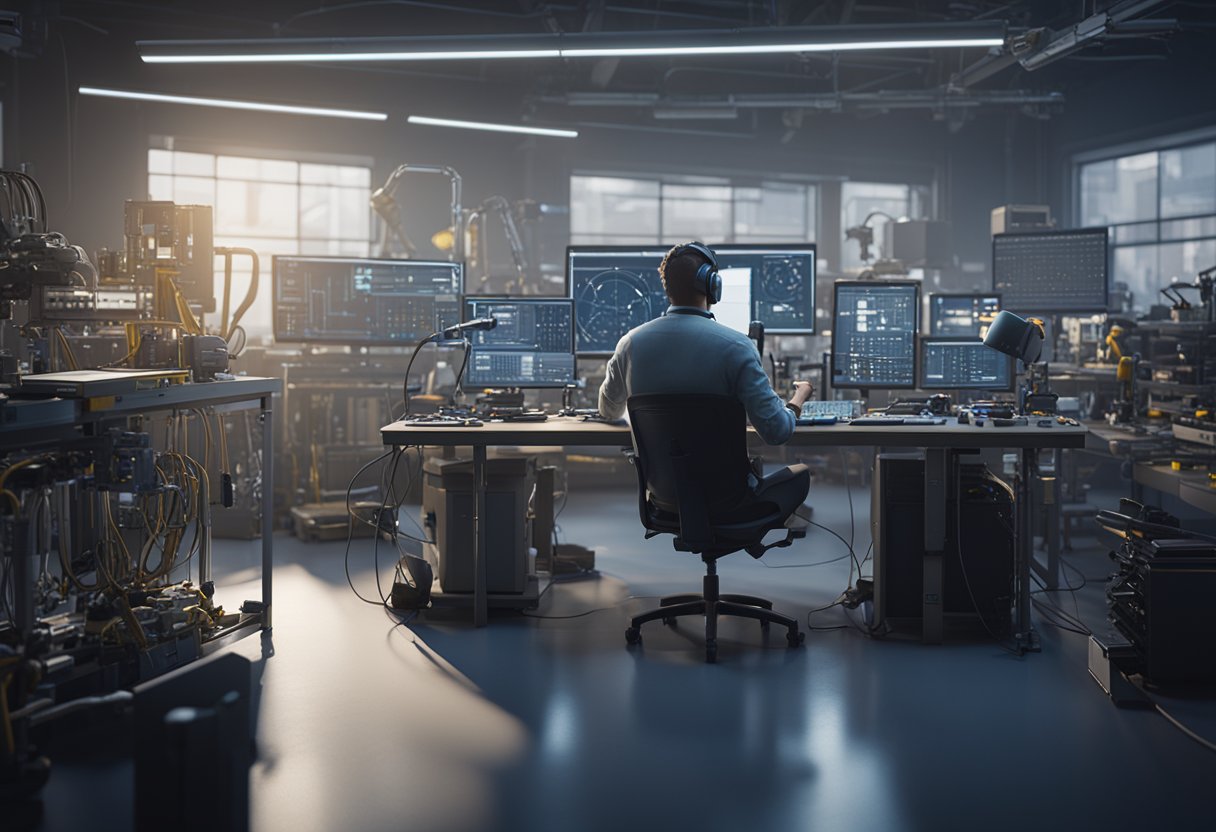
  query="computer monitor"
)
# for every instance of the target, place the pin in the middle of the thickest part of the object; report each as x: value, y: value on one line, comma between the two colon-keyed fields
x: 963, y: 364
x: 770, y: 283
x: 614, y: 289
x: 874, y: 328
x: 1052, y: 271
x: 363, y: 302
x: 965, y: 315
x: 532, y: 346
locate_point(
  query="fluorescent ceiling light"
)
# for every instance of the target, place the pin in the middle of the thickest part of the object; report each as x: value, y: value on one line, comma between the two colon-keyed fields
x: 776, y: 48
x: 497, y: 128
x: 349, y: 57
x: 234, y: 105
x: 750, y: 41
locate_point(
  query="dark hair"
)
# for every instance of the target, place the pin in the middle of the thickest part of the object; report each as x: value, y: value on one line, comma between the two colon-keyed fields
x: 679, y: 275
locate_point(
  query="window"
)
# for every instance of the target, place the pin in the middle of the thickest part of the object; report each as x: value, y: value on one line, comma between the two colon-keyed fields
x: 1160, y: 206
x: 859, y: 199
x: 627, y: 210
x: 274, y: 206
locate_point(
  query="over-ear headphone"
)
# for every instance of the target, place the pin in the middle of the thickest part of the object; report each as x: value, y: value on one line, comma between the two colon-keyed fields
x: 707, y: 281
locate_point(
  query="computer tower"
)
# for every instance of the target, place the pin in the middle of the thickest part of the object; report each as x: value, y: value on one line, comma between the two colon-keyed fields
x: 447, y: 513
x: 981, y: 581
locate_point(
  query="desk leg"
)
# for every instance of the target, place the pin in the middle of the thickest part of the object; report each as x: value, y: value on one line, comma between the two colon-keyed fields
x: 1052, y: 496
x: 1024, y: 636
x: 267, y: 416
x: 936, y: 484
x: 480, y: 567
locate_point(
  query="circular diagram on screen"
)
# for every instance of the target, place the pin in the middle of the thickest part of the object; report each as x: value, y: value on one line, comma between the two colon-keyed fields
x: 780, y: 280
x: 610, y: 304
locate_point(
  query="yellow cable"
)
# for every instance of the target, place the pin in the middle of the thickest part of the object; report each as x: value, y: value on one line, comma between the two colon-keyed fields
x: 10, y: 469
x: 67, y: 349
x: 8, y: 722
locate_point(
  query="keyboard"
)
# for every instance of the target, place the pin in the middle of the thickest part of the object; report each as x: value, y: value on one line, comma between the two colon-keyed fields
x: 816, y: 420
x: 838, y: 409
x: 864, y: 421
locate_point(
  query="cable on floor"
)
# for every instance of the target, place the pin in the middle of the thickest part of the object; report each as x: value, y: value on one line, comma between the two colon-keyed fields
x: 1206, y: 743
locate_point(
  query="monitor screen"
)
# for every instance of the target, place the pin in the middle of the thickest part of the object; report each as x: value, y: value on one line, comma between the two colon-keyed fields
x: 532, y: 346
x: 967, y: 315
x: 874, y: 329
x: 614, y: 288
x: 963, y: 364
x: 1051, y: 271
x: 773, y: 284
x: 344, y: 300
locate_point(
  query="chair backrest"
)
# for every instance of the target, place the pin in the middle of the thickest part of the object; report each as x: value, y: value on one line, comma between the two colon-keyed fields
x: 697, y: 437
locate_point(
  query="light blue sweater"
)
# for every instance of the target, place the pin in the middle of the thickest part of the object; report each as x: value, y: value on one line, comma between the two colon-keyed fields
x: 686, y: 351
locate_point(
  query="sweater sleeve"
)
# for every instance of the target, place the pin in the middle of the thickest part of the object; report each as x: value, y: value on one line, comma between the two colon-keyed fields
x: 614, y: 391
x: 768, y: 414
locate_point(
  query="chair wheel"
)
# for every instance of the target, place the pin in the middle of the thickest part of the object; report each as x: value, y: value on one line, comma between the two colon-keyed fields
x: 764, y: 626
x: 795, y: 638
x: 670, y: 621
x: 633, y: 635
x: 711, y: 652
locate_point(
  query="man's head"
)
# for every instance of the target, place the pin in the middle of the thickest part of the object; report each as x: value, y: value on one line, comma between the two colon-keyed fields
x: 679, y: 273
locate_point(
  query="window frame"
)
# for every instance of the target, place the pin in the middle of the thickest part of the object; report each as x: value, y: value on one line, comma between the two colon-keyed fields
x: 1157, y: 145
x: 813, y: 206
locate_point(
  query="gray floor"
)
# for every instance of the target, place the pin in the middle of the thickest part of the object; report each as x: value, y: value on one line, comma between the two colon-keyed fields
x: 554, y: 725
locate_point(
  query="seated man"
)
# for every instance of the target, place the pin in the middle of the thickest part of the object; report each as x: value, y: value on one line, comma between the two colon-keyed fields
x: 687, y: 351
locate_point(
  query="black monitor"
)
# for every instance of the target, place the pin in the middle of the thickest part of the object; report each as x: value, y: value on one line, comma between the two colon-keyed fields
x: 770, y: 283
x: 963, y: 364
x: 532, y: 346
x: 1052, y: 271
x: 614, y: 289
x: 362, y: 302
x: 874, y: 328
x: 965, y: 315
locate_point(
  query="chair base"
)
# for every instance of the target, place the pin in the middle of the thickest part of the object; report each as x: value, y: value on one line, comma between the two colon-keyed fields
x: 711, y: 604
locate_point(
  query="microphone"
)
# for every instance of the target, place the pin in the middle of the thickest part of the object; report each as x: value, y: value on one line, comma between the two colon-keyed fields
x: 476, y: 323
x: 755, y: 331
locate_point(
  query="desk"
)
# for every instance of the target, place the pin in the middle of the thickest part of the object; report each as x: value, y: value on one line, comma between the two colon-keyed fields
x: 937, y: 440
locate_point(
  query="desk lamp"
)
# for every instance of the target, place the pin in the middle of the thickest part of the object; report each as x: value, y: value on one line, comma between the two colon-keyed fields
x: 1022, y: 338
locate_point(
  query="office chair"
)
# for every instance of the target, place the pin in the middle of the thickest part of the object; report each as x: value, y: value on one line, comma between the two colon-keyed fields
x: 690, y: 454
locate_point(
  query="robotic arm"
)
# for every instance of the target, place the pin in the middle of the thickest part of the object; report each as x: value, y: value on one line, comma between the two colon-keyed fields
x: 384, y: 203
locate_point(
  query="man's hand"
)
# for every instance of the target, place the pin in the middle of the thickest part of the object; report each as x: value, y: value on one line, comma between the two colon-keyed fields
x: 803, y: 390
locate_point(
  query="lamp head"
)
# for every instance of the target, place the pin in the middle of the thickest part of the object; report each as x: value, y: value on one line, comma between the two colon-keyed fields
x: 1019, y: 337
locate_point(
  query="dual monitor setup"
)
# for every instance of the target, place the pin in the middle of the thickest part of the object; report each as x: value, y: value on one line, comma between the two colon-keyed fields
x: 876, y: 333
x: 875, y: 343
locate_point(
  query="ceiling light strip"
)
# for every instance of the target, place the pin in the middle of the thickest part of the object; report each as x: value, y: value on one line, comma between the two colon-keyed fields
x: 624, y: 45
x: 350, y: 57
x: 493, y: 127
x: 233, y: 104
x: 775, y: 48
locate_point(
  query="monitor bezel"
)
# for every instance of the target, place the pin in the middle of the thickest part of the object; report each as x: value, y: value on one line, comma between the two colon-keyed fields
x: 1056, y: 232
x: 939, y: 339
x: 591, y: 249
x: 777, y: 248
x: 933, y: 320
x: 465, y: 300
x: 274, y: 280
x: 836, y: 286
